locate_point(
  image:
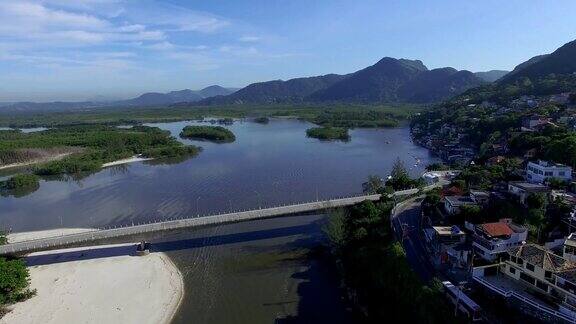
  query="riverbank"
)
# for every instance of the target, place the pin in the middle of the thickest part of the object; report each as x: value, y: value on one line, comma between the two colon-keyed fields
x: 100, y: 284
x: 135, y: 158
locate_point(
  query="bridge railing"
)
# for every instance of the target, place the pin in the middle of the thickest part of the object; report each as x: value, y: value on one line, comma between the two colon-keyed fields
x: 168, y: 224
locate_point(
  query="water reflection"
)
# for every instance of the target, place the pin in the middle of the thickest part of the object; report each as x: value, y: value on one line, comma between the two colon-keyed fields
x: 269, y: 164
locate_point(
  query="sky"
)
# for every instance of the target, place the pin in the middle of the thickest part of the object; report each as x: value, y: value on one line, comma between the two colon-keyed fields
x: 74, y: 50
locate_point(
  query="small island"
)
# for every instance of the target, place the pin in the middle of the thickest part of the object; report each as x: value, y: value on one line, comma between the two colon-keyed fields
x: 19, y: 185
x: 216, y: 134
x: 262, y: 120
x: 328, y: 133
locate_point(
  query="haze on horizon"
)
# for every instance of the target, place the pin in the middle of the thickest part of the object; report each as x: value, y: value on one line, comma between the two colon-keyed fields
x: 77, y: 50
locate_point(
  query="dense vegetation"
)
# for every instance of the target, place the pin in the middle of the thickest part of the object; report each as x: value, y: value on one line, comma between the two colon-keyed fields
x: 262, y: 120
x: 328, y: 133
x: 210, y: 133
x: 19, y: 185
x: 376, y: 271
x: 120, y: 116
x: 100, y: 144
x: 358, y: 118
x: 14, y: 281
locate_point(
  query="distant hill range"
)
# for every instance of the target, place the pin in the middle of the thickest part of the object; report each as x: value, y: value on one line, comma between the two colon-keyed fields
x: 145, y: 100
x: 541, y: 75
x: 492, y: 75
x: 388, y: 81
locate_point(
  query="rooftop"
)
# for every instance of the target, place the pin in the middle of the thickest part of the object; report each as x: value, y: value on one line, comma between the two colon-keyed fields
x: 460, y: 200
x: 545, y: 259
x: 527, y: 186
x: 548, y: 164
x: 495, y: 229
x: 448, y: 230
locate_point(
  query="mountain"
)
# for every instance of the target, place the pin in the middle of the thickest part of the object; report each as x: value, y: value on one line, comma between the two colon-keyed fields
x: 523, y: 65
x: 277, y: 91
x: 187, y: 95
x: 437, y: 85
x: 560, y: 62
x: 399, y: 80
x: 377, y: 83
x: 215, y: 90
x: 146, y: 99
x: 389, y: 80
x: 492, y: 75
x: 540, y: 76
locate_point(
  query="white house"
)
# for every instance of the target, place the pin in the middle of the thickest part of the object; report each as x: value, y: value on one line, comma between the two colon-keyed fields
x: 539, y: 172
x: 533, y: 268
x: 492, y: 239
x: 452, y: 204
x: 522, y: 189
x: 569, y: 249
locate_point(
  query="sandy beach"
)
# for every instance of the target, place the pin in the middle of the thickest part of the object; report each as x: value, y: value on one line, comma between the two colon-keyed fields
x: 100, y: 284
x: 135, y: 158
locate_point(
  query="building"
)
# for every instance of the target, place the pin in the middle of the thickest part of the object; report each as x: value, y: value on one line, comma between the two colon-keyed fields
x: 533, y: 122
x: 569, y: 248
x: 543, y: 282
x: 492, y: 239
x: 453, y: 204
x: 542, y: 171
x: 447, y: 247
x: 480, y: 197
x: 522, y: 189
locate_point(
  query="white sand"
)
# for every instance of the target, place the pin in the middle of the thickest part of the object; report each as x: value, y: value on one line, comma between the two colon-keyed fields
x: 135, y: 158
x: 101, y: 284
x: 43, y: 160
x: 27, y: 236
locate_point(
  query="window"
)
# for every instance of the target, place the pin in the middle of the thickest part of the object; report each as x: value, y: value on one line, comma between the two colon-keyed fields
x: 519, y: 261
x: 512, y: 270
x: 562, y: 173
x: 548, y: 173
x: 548, y: 275
x: 530, y: 266
x: 527, y: 278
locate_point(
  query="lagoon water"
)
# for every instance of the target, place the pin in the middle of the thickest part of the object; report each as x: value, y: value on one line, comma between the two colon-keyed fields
x: 254, y: 272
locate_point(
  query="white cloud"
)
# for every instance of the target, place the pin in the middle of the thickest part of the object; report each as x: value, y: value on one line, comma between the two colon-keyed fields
x: 249, y: 39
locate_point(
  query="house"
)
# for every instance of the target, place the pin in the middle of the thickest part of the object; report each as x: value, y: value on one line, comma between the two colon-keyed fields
x: 480, y: 197
x: 522, y: 190
x: 447, y: 246
x: 543, y: 282
x: 569, y: 248
x: 453, y: 204
x: 561, y: 98
x: 492, y: 239
x: 533, y: 122
x: 541, y: 171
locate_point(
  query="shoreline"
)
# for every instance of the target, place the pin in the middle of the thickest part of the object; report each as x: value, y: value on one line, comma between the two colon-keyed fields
x: 98, y: 284
x: 135, y: 158
x: 37, y: 161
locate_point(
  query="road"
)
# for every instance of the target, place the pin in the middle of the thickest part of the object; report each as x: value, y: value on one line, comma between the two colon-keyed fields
x: 408, y: 215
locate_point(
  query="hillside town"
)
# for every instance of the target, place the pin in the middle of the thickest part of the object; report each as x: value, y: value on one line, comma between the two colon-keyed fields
x: 505, y: 222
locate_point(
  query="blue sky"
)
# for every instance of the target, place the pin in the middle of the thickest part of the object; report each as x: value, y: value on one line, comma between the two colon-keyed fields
x: 79, y: 49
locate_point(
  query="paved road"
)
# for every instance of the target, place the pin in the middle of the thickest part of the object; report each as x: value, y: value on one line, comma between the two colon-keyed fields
x: 408, y: 215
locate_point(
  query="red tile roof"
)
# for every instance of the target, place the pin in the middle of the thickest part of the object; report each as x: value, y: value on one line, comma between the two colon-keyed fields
x: 497, y: 229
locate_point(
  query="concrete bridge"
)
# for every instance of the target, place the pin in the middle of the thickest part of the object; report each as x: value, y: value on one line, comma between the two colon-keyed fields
x: 100, y: 235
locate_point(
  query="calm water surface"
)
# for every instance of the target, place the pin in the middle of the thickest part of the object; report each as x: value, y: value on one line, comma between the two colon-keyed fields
x: 253, y: 272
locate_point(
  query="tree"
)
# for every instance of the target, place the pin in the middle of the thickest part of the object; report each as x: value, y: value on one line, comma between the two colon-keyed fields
x: 374, y: 185
x: 399, y: 170
x: 399, y: 177
x: 14, y: 278
x: 536, y: 201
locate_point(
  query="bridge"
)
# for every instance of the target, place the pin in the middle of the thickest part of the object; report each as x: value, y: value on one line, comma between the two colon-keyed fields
x: 103, y: 234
